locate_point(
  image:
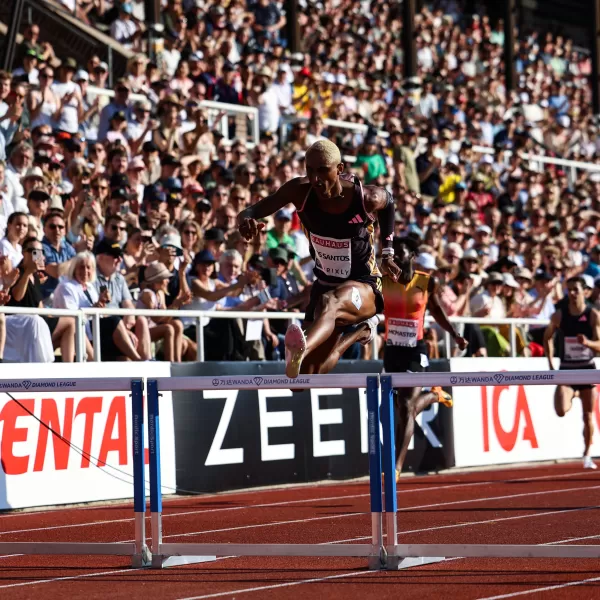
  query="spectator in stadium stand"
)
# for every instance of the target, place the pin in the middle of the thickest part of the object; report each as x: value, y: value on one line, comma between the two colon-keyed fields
x: 109, y: 256
x: 16, y: 232
x: 38, y: 202
x: 77, y: 291
x: 58, y: 252
x: 279, y: 234
x: 124, y: 29
x: 28, y: 73
x: 27, y: 293
x: 120, y: 103
x: 70, y: 108
x: 154, y: 292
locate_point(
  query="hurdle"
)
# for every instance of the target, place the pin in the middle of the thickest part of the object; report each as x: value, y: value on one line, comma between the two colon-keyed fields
x: 173, y: 554
x: 137, y: 549
x: 400, y: 555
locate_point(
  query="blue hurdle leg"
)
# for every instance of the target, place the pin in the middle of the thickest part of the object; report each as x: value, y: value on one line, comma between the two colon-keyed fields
x: 389, y: 461
x: 140, y: 558
x: 155, y: 484
x: 376, y: 559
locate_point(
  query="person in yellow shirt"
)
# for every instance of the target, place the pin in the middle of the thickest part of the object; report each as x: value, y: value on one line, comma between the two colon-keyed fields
x: 302, y: 98
x: 450, y: 178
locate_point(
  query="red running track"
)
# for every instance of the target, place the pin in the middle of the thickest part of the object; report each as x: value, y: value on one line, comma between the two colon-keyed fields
x: 535, y: 505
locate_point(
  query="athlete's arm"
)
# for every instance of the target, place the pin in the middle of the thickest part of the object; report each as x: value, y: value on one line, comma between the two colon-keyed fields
x: 379, y: 201
x: 593, y: 344
x: 438, y: 313
x: 549, y: 338
x: 287, y: 193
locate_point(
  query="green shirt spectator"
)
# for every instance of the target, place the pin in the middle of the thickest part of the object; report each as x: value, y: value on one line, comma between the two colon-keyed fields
x: 280, y: 233
x: 371, y: 161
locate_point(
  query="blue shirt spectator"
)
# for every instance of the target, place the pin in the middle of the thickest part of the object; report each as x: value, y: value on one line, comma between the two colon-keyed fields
x: 57, y: 252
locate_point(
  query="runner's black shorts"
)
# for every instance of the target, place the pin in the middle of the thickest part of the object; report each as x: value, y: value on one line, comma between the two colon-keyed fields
x: 585, y: 386
x: 404, y: 359
x: 319, y: 289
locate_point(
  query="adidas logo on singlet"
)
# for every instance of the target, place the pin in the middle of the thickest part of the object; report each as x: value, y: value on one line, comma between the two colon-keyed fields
x: 356, y: 219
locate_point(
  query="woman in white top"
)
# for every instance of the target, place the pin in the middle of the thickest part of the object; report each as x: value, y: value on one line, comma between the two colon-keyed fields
x: 44, y: 102
x: 16, y: 232
x: 70, y: 106
x: 76, y: 291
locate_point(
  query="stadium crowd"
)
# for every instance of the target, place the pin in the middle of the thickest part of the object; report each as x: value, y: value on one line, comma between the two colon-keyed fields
x: 130, y: 200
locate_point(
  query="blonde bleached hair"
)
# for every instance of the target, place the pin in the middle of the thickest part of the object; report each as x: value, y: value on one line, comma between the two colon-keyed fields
x: 327, y: 151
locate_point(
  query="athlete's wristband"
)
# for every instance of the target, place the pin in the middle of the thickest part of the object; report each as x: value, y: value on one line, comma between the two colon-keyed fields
x: 387, y: 252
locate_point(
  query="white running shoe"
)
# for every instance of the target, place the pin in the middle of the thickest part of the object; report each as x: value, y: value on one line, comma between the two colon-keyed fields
x: 295, y: 348
x: 588, y: 463
x: 372, y: 323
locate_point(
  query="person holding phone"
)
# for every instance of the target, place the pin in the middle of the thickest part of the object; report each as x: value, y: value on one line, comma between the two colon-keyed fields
x: 27, y: 293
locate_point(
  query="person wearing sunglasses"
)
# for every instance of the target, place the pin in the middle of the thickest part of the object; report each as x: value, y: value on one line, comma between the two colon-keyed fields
x: 58, y: 252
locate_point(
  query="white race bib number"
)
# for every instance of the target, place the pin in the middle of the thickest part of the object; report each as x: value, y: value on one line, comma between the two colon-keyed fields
x: 575, y: 351
x: 333, y: 257
x: 402, y: 332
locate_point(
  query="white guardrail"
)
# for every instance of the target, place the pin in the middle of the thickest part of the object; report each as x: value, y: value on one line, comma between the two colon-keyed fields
x: 94, y: 315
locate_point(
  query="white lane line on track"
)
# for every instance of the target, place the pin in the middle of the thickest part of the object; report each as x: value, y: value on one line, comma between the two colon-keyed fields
x: 363, y: 573
x: 69, y: 578
x: 407, y: 508
x: 290, y: 502
x: 58, y: 579
x: 281, y: 585
x: 548, y: 588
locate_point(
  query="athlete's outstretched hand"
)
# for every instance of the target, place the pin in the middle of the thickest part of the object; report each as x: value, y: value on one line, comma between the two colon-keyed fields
x: 249, y: 228
x: 390, y: 268
x: 461, y: 342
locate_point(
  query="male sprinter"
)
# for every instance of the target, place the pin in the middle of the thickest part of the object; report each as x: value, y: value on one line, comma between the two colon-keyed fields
x: 338, y: 216
x: 406, y: 301
x: 579, y: 325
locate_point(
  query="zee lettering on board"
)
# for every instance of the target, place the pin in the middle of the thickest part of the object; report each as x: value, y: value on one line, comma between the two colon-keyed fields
x: 506, y: 438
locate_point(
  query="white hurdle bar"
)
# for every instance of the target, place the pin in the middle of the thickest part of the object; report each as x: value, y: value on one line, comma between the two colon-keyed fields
x: 165, y: 555
x: 137, y: 549
x: 402, y: 555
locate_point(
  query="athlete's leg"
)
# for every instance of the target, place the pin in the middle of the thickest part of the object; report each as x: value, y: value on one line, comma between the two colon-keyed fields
x: 588, y: 401
x: 324, y: 358
x: 347, y: 304
x: 563, y: 399
x: 409, y: 402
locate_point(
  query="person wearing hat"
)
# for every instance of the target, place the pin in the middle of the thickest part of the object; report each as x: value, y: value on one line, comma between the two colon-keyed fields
x: 113, y: 286
x: 207, y: 292
x: 28, y: 73
x: 371, y: 161
x: 119, y: 103
x: 124, y: 29
x: 337, y: 214
x: 280, y: 232
x: 579, y: 326
x: 406, y: 301
x: 169, y: 331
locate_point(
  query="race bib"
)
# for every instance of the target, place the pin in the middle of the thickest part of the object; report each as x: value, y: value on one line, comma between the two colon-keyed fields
x: 402, y: 332
x: 577, y: 352
x: 332, y: 257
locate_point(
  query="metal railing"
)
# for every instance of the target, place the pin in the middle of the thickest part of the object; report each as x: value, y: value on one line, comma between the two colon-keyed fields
x: 82, y: 316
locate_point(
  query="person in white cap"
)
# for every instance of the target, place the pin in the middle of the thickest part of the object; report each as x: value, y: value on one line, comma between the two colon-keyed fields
x: 579, y: 325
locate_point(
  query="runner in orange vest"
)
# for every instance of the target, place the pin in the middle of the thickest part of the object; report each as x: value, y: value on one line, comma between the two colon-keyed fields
x: 406, y: 301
